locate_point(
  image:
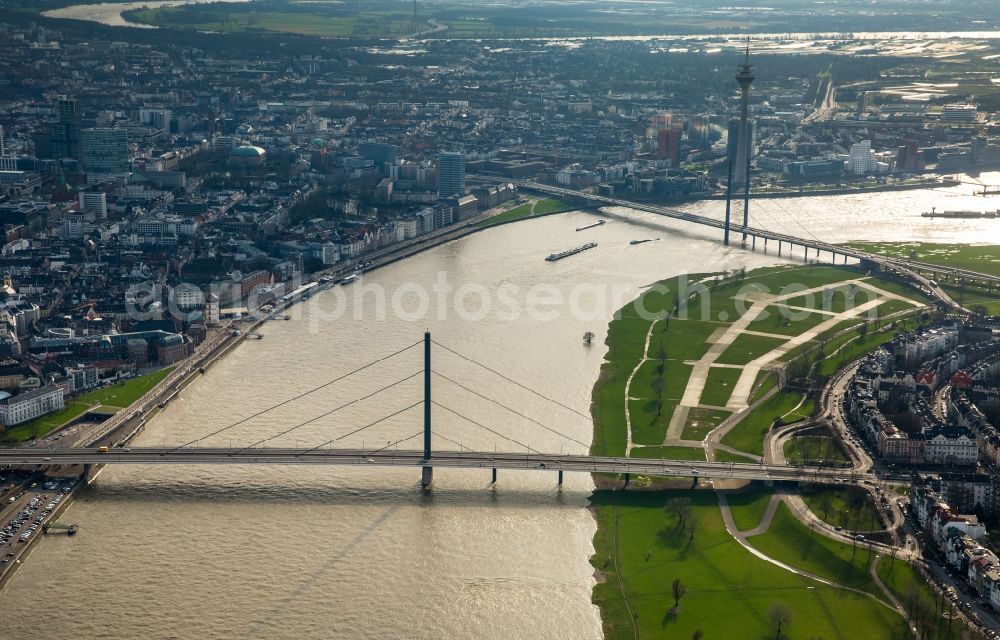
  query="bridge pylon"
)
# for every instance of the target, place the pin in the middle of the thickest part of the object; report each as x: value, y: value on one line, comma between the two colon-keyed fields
x: 427, y: 473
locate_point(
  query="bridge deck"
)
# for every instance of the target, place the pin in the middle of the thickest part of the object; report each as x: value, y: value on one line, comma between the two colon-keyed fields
x: 413, y: 458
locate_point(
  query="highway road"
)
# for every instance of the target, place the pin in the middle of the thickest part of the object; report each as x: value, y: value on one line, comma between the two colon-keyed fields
x: 414, y: 458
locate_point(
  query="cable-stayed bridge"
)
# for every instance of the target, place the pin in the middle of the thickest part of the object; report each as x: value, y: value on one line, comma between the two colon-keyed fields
x: 920, y: 272
x: 400, y: 403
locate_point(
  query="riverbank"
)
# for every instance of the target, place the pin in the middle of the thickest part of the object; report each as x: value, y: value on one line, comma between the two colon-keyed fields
x: 682, y: 370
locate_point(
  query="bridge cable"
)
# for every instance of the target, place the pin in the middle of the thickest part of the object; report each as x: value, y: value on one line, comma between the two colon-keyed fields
x: 793, y: 219
x: 298, y: 397
x: 331, y: 411
x: 390, y: 444
x: 512, y: 381
x: 438, y: 435
x: 514, y: 411
x: 360, y: 429
x: 483, y: 426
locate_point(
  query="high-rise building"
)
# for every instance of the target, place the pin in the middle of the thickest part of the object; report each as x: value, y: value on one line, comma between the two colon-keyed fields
x: 379, y: 152
x: 65, y: 132
x: 104, y: 150
x: 668, y: 146
x: 94, y: 202
x: 451, y: 174
x: 862, y: 158
x: 909, y: 157
x: 3, y: 146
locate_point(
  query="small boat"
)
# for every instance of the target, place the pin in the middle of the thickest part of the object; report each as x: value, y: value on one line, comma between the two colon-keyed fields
x: 643, y: 240
x: 588, y: 337
x: 591, y: 226
x: 349, y: 279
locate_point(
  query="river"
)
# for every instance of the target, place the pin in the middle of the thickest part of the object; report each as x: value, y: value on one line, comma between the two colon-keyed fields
x: 283, y: 552
x: 110, y: 13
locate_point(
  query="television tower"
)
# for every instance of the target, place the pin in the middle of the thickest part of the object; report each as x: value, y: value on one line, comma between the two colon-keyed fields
x: 743, y: 150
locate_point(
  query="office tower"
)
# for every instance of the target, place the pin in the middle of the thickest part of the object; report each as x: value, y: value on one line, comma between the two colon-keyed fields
x: 668, y: 146
x: 379, y: 152
x: 94, y: 202
x: 65, y: 133
x: 3, y: 147
x: 451, y: 174
x: 862, y: 158
x: 104, y: 150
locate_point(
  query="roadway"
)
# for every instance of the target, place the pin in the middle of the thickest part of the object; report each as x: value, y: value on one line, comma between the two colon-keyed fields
x: 415, y: 458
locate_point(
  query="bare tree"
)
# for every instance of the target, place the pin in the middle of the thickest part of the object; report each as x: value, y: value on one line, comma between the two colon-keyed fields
x: 678, y: 589
x: 780, y: 617
x: 679, y: 508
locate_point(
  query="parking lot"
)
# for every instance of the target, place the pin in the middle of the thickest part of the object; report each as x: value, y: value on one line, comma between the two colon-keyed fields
x: 25, y: 511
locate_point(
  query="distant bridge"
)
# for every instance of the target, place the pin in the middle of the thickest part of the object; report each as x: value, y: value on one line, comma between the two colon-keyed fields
x: 911, y: 269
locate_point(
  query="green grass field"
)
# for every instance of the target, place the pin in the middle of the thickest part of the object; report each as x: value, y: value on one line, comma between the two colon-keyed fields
x: 669, y: 453
x: 124, y: 394
x: 746, y: 348
x: 748, y: 434
x: 748, y: 506
x: 849, y: 507
x: 543, y: 207
x: 722, y: 574
x: 719, y: 386
x: 701, y: 421
x: 982, y: 258
x: 640, y: 550
x: 814, y: 449
x: 792, y: 542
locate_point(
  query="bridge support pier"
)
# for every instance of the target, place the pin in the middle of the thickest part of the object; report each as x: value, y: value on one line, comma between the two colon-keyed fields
x: 560, y: 477
x: 494, y: 480
x: 765, y: 245
x: 779, y: 248
x: 754, y: 243
x: 426, y: 477
x: 805, y: 253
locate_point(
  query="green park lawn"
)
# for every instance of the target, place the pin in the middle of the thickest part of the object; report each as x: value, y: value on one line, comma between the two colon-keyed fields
x: 793, y: 543
x: 669, y: 453
x: 746, y: 348
x: 124, y: 394
x: 700, y: 422
x: 640, y: 550
x: 748, y: 506
x: 748, y: 434
x: 541, y: 207
x: 719, y: 386
x: 721, y: 455
x: 982, y: 258
x: 786, y: 322
x: 812, y: 449
x: 846, y: 506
